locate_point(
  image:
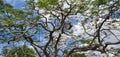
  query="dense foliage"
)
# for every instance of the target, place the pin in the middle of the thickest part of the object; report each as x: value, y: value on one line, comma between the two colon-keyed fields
x: 23, y: 51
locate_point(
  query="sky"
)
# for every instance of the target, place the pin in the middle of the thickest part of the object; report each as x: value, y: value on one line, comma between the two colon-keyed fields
x: 15, y: 3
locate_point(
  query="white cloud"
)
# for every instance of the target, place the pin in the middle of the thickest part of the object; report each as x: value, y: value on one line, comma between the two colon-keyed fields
x: 77, y: 29
x: 31, y: 47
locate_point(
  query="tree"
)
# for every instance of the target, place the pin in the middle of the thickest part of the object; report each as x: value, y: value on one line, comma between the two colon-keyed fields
x: 54, y: 21
x: 23, y: 51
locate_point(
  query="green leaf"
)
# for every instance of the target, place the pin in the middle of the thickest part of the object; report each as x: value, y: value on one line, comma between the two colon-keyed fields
x: 65, y: 51
x: 118, y: 2
x: 86, y: 40
x: 42, y: 4
x: 99, y: 2
x: 1, y: 2
x: 94, y: 11
x: 85, y: 21
x: 46, y: 3
x: 66, y: 9
x: 37, y: 17
x: 8, y: 6
x: 8, y: 21
x: 78, y: 55
x: 22, y: 51
x: 53, y: 2
x: 5, y: 51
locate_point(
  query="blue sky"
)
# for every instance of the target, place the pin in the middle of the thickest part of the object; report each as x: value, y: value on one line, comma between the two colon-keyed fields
x: 16, y: 3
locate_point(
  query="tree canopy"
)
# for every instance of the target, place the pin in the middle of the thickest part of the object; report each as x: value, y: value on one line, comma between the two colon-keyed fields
x: 23, y: 51
x: 63, y: 28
